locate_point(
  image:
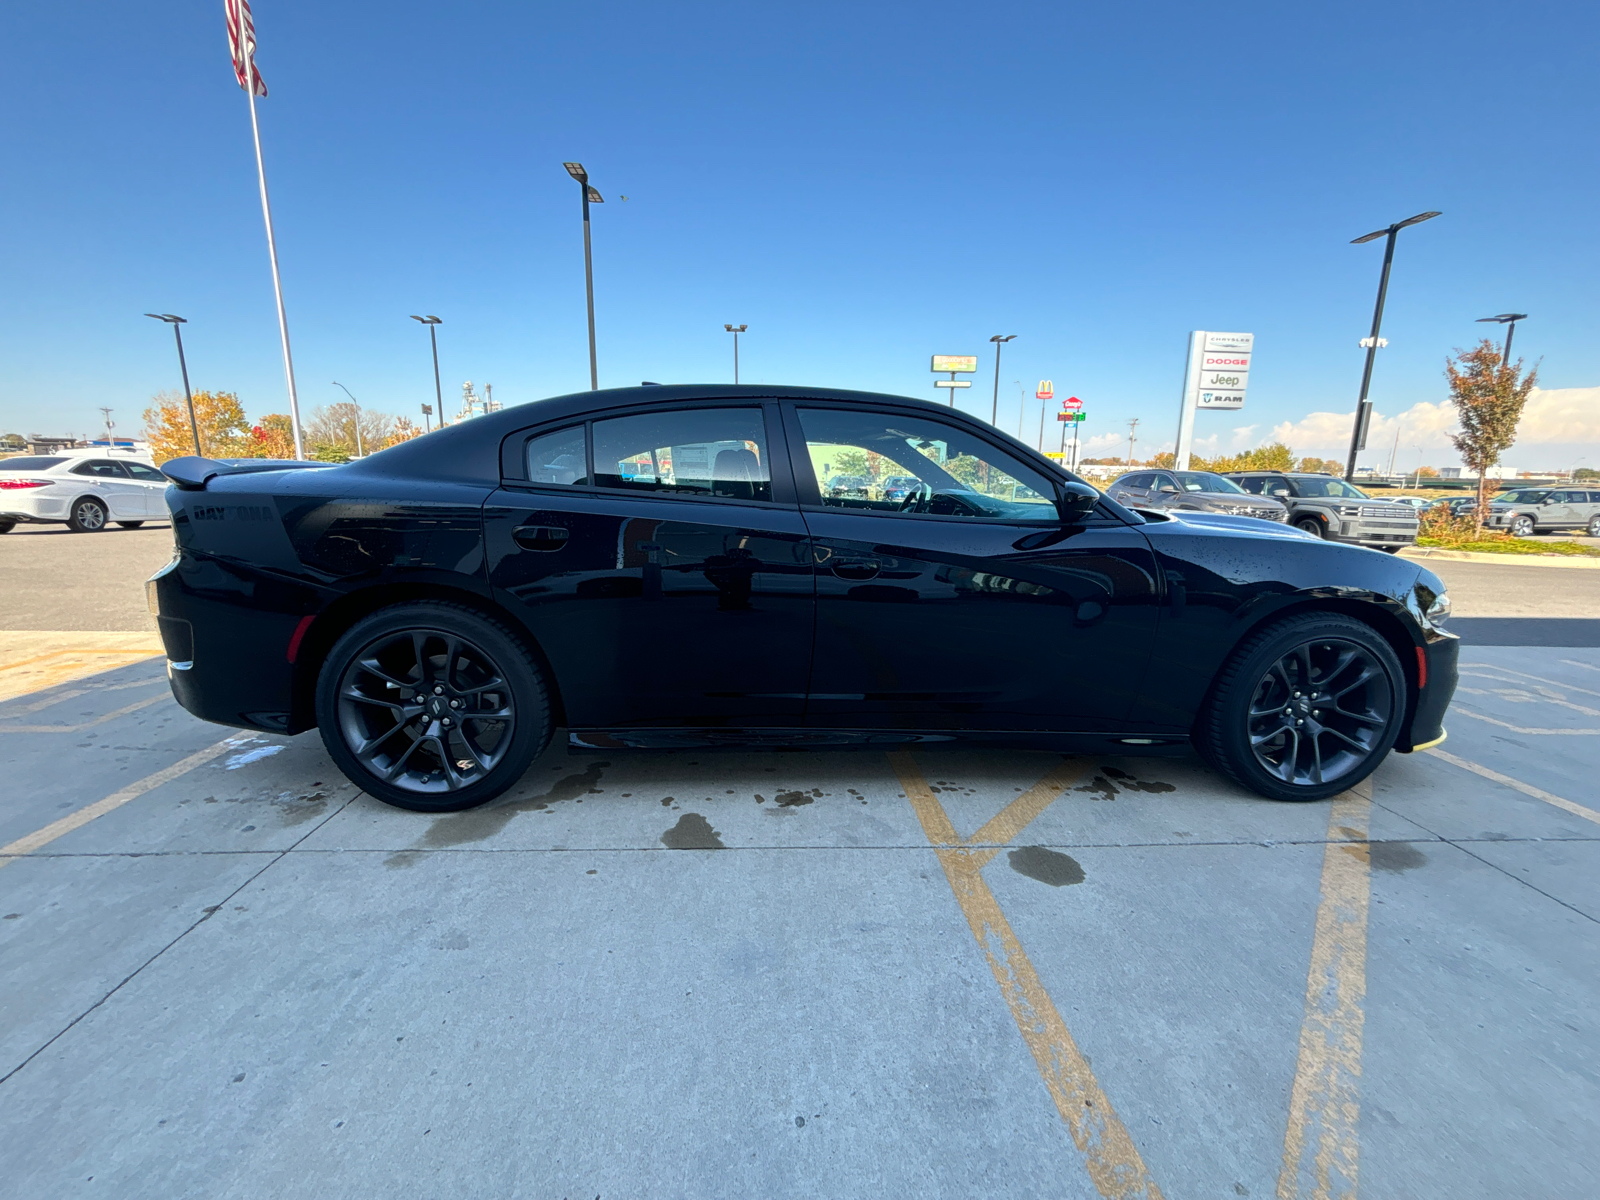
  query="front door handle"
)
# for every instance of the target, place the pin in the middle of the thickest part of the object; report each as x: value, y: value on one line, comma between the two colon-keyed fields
x: 540, y: 537
x: 856, y: 568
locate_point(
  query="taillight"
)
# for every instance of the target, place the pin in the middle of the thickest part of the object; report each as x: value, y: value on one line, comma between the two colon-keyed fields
x: 7, y: 485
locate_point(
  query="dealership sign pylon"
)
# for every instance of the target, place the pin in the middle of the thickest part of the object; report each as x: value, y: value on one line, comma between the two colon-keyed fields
x: 1215, y: 376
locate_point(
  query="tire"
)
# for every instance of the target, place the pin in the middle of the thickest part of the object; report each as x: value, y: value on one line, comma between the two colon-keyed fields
x: 1523, y: 527
x: 1312, y: 525
x: 401, y: 750
x: 7, y: 526
x: 1391, y: 549
x: 1244, y: 730
x: 88, y: 515
x: 130, y: 524
x: 1594, y: 526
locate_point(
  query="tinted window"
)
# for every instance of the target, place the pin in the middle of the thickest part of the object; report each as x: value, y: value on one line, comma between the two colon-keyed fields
x: 693, y: 452
x: 32, y: 462
x: 1205, y: 481
x: 558, y: 458
x: 1252, y: 484
x: 1163, y: 483
x: 1135, y: 481
x: 101, y: 467
x: 147, y: 474
x: 1329, y: 487
x: 956, y: 473
x: 1594, y: 497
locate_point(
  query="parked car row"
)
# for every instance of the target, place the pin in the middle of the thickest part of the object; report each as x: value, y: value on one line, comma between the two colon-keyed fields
x: 81, y: 489
x: 1322, y: 505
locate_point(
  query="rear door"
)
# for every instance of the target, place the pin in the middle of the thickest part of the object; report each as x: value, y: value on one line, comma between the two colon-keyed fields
x: 660, y: 559
x: 152, y: 486
x: 107, y: 479
x: 969, y: 605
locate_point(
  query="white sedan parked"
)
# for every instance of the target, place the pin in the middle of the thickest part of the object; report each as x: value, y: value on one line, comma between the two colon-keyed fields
x: 81, y: 489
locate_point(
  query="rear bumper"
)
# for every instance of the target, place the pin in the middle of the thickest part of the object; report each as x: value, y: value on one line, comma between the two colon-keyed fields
x: 1427, y: 722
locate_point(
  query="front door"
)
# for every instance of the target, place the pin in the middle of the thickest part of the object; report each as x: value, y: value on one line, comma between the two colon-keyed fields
x: 966, y: 603
x: 109, y: 481
x: 666, y: 578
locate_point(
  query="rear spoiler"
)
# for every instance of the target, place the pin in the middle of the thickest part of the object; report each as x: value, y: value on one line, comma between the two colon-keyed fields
x: 192, y: 473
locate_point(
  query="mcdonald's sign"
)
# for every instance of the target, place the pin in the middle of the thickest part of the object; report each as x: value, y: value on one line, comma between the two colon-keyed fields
x: 1047, y: 390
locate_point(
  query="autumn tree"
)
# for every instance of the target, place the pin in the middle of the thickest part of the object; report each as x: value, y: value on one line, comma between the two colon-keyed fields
x: 1321, y: 466
x: 219, y: 417
x: 272, y: 438
x: 1274, y: 457
x: 1488, y: 395
x: 331, y: 431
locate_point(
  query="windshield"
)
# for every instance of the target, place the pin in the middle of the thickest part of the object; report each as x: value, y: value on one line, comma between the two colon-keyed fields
x: 1521, y: 496
x: 30, y: 463
x: 1205, y: 481
x: 1329, y: 487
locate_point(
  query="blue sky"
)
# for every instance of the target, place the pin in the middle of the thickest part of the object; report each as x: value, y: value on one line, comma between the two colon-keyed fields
x: 863, y: 184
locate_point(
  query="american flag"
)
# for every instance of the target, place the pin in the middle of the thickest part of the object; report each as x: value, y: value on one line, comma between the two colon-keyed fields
x: 242, y: 41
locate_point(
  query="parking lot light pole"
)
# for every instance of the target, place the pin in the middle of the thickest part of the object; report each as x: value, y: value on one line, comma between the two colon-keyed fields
x: 360, y: 453
x: 1509, y: 320
x: 1358, y: 435
x: 736, y: 330
x: 183, y: 366
x: 994, y: 413
x: 590, y: 196
x: 431, y: 322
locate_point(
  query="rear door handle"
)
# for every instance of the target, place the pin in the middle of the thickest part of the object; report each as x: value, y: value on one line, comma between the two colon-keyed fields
x: 856, y: 568
x: 540, y: 537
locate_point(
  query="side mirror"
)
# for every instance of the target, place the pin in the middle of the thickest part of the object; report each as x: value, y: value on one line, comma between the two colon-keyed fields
x: 1076, y: 501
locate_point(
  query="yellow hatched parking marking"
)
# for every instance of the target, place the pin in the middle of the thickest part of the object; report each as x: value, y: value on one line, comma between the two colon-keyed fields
x: 32, y: 661
x: 1112, y: 1159
x: 1321, y: 1147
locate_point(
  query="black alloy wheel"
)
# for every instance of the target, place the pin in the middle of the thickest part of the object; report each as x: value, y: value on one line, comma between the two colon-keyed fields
x: 1522, y: 526
x: 130, y: 524
x: 1305, y: 709
x: 432, y: 706
x: 1311, y: 525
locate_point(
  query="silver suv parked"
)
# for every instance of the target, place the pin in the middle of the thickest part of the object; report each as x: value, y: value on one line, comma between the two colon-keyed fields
x: 1525, y: 511
x: 1331, y: 508
x: 1194, y: 490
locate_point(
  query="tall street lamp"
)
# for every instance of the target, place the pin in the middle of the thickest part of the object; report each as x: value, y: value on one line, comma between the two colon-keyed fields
x: 736, y: 330
x: 1358, y: 435
x: 994, y: 412
x: 1509, y: 320
x: 183, y: 366
x: 432, y: 322
x: 360, y: 453
x: 590, y: 196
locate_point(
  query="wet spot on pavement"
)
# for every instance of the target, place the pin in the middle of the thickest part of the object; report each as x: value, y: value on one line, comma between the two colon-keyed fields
x: 1395, y: 857
x: 791, y: 799
x: 1047, y: 866
x: 692, y: 832
x: 406, y: 858
x: 1110, y: 781
x: 476, y: 824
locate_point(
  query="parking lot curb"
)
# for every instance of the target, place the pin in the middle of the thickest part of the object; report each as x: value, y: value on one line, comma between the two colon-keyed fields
x: 1508, y: 560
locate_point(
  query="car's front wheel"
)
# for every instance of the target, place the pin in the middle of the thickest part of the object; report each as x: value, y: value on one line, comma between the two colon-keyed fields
x: 7, y: 526
x: 1305, y: 709
x: 88, y: 516
x: 1311, y: 525
x: 1594, y: 526
x: 432, y: 706
x: 1521, y: 526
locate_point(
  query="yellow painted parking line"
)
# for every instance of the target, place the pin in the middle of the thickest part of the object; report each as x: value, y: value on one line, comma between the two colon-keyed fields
x: 1110, y: 1156
x: 1464, y: 711
x: 1527, y: 789
x: 62, y: 697
x: 1016, y: 816
x: 110, y: 716
x: 32, y: 661
x: 89, y: 812
x: 1321, y: 1146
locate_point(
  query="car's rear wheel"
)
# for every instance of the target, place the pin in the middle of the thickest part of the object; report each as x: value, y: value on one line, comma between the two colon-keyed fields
x: 88, y: 516
x: 1312, y: 525
x: 431, y: 706
x: 130, y: 524
x: 1521, y: 526
x: 1305, y: 709
x: 7, y: 526
x: 1594, y: 526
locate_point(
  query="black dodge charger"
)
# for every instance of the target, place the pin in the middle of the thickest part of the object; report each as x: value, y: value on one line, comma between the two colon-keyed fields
x: 666, y: 567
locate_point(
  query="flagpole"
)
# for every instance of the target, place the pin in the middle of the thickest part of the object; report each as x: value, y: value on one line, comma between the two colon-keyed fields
x: 272, y: 244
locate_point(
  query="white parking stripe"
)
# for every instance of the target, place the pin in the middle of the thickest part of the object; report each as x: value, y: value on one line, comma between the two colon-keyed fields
x: 1527, y: 789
